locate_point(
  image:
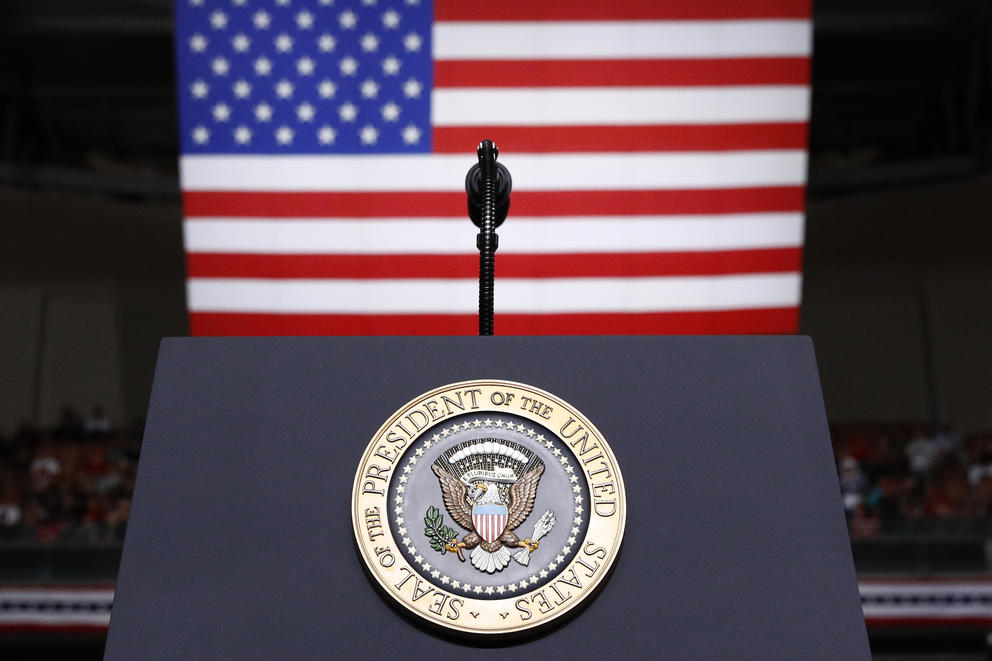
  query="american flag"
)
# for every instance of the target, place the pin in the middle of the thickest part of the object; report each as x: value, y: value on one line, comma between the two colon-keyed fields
x: 657, y: 148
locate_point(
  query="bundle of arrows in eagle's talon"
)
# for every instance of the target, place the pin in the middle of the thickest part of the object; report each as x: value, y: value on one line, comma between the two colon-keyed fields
x: 541, y: 528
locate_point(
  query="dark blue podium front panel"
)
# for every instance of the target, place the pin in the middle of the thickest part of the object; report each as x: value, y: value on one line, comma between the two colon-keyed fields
x: 240, y: 544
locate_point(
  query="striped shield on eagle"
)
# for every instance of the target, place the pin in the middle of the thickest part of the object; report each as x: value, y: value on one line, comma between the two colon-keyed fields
x: 490, y: 520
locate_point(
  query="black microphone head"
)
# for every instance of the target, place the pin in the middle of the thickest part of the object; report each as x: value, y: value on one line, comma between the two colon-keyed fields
x: 473, y: 186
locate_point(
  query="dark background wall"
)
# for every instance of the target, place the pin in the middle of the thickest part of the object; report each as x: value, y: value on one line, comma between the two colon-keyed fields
x: 89, y: 285
x: 898, y: 298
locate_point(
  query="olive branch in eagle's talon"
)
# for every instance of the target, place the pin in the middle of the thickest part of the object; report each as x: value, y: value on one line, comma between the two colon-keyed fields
x: 442, y: 537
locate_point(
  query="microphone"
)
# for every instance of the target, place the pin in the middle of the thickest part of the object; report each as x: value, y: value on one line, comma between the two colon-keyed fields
x: 475, y: 188
x: 488, y: 186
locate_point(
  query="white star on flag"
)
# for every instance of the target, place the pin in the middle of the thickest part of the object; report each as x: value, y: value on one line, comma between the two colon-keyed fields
x: 222, y: 112
x: 304, y: 66
x: 326, y: 135
x: 241, y: 42
x: 326, y: 89
x: 263, y: 66
x: 348, y: 66
x: 391, y: 19
x: 263, y: 112
x: 348, y: 112
x: 284, y: 135
x: 261, y: 20
x: 283, y: 43
x: 390, y: 112
x: 411, y: 88
x: 370, y: 88
x: 284, y: 89
x: 242, y: 89
x: 199, y: 89
x: 411, y: 134
x: 369, y: 134
x: 304, y: 20
x: 370, y: 43
x: 326, y: 43
x: 412, y: 42
x: 242, y: 135
x: 218, y: 20
x: 305, y: 112
x: 391, y: 66
x: 220, y: 66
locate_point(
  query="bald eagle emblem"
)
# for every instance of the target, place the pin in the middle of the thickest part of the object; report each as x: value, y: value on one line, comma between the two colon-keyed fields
x: 489, y: 487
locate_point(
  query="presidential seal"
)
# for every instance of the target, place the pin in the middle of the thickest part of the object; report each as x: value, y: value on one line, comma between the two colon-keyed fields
x: 489, y: 507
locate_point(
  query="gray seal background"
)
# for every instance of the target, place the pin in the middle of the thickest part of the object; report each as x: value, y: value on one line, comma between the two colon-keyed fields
x: 554, y: 493
x: 240, y: 542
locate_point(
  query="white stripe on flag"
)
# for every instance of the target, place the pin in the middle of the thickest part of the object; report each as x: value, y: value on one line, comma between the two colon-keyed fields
x: 524, y: 40
x: 447, y: 236
x: 63, y: 617
x: 531, y: 172
x: 619, y: 106
x: 553, y: 295
x: 874, y: 588
x: 928, y: 610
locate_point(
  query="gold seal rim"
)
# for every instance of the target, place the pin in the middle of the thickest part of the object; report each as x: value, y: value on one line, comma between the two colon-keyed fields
x: 369, y: 557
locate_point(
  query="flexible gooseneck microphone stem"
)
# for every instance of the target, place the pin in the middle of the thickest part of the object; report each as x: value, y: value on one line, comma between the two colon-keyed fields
x: 487, y: 241
x: 488, y: 187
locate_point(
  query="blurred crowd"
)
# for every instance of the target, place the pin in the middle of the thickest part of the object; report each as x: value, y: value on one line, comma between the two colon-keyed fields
x: 71, y: 483
x: 74, y: 482
x: 909, y: 478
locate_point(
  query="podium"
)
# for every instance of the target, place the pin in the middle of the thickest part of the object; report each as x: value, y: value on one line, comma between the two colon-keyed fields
x: 240, y: 542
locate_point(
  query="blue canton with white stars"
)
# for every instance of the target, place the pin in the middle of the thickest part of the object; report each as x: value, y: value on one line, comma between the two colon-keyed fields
x: 304, y: 76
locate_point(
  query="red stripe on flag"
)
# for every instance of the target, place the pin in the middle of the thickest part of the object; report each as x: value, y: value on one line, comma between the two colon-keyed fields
x: 622, y: 73
x: 934, y: 619
x: 576, y: 10
x: 95, y: 629
x: 321, y: 204
x: 523, y: 203
x: 524, y: 139
x: 221, y: 265
x: 769, y: 320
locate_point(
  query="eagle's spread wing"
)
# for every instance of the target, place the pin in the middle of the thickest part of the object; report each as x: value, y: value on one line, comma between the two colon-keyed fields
x: 454, y: 491
x: 522, y: 495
